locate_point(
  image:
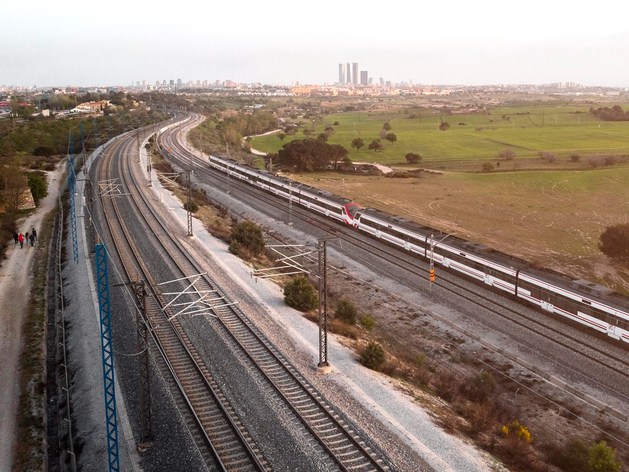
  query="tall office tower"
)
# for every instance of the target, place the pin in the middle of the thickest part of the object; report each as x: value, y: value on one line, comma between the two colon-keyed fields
x: 381, y: 81
x: 364, y: 77
x: 179, y: 83
x: 348, y: 76
x: 172, y: 82
x: 341, y: 74
x: 355, y: 73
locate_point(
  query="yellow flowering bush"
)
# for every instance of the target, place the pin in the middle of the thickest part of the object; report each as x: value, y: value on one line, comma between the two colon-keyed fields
x: 516, y: 430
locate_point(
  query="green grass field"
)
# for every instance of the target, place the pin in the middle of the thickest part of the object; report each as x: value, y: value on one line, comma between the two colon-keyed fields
x: 528, y: 130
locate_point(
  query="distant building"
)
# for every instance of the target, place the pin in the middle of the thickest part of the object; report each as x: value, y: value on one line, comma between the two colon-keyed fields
x: 348, y: 76
x: 341, y: 74
x: 355, y: 73
x: 364, y: 77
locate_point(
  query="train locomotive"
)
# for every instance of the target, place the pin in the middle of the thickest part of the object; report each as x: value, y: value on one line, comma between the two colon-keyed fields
x: 584, y: 302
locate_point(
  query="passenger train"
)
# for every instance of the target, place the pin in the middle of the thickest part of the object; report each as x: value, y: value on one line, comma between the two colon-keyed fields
x: 587, y: 303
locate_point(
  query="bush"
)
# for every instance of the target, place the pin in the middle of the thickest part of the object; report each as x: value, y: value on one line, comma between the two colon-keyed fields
x: 346, y: 312
x: 572, y: 457
x: 235, y: 247
x: 483, y: 386
x: 413, y: 158
x: 192, y: 207
x: 615, y: 242
x: 373, y: 356
x: 38, y: 186
x: 299, y: 294
x: 444, y: 126
x: 488, y: 167
x: 602, y: 458
x: 45, y: 151
x: 367, y: 322
x: 250, y: 236
x: 574, y: 156
x: 549, y: 157
x: 507, y: 154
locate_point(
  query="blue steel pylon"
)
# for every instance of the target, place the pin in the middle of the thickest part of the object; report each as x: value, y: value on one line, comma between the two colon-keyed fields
x: 108, y: 359
x: 71, y: 190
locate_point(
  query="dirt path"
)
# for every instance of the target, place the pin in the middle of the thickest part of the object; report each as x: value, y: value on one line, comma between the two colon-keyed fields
x: 15, y: 288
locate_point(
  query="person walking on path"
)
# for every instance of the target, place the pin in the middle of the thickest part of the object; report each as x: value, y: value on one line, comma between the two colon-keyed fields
x: 21, y: 240
x: 27, y: 238
x: 34, y: 233
x: 32, y: 239
x: 15, y: 238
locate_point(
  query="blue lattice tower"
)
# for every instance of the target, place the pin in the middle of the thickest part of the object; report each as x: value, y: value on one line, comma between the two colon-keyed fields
x: 71, y: 190
x: 108, y: 359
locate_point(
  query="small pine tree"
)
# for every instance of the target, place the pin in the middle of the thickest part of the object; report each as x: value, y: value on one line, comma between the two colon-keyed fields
x: 250, y: 236
x: 373, y: 356
x: 602, y: 458
x: 300, y: 295
x: 346, y: 311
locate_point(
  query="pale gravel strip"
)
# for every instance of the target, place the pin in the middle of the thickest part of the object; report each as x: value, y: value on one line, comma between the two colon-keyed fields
x: 408, y: 421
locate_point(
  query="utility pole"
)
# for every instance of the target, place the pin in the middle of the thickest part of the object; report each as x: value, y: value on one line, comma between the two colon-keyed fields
x: 188, y: 205
x: 324, y: 366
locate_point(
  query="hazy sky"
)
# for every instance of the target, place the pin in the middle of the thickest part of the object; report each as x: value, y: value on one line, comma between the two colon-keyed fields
x: 453, y: 42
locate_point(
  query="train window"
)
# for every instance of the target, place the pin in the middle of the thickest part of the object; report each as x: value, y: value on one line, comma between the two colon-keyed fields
x: 586, y: 301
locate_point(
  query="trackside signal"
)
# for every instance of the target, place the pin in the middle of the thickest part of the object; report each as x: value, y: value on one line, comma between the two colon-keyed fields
x: 432, y: 275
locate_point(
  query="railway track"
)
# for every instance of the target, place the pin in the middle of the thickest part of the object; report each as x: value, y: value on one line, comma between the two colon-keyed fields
x: 224, y: 442
x: 601, y: 357
x: 342, y: 445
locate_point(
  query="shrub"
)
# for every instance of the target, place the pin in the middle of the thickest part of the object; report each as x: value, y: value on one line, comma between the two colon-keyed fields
x: 45, y: 151
x: 549, y: 157
x: 192, y: 207
x: 367, y: 322
x: 574, y: 156
x: 235, y: 247
x: 373, y: 356
x: 38, y: 186
x: 488, y: 167
x: 412, y: 157
x: 516, y: 430
x: 444, y: 126
x: 615, y: 242
x: 507, y: 154
x: 602, y: 458
x: 420, y: 359
x: 299, y: 294
x: 250, y: 236
x: 572, y: 457
x: 483, y: 386
x: 346, y: 311
x: 446, y: 386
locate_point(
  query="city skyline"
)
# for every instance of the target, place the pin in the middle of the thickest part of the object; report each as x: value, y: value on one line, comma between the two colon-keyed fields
x: 71, y: 43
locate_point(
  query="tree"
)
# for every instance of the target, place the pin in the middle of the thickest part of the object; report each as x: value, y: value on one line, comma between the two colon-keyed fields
x: 357, y: 143
x: 373, y: 356
x: 38, y: 186
x: 329, y: 130
x: 299, y: 294
x: 13, y: 183
x: 310, y: 154
x: 249, y: 235
x: 375, y: 145
x: 387, y: 126
x: 322, y: 137
x: 488, y: 167
x: 281, y: 136
x: 507, y: 154
x: 346, y: 311
x: 383, y: 133
x: 391, y: 138
x: 444, y: 126
x: 574, y: 156
x: 602, y: 458
x: 615, y: 242
x: 413, y: 158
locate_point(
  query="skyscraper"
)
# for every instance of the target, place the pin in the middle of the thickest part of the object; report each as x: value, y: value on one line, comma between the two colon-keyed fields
x: 348, y: 77
x: 341, y: 74
x: 355, y: 73
x: 364, y: 77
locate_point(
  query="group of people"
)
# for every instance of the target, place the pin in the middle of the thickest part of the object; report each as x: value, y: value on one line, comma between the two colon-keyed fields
x: 30, y: 238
